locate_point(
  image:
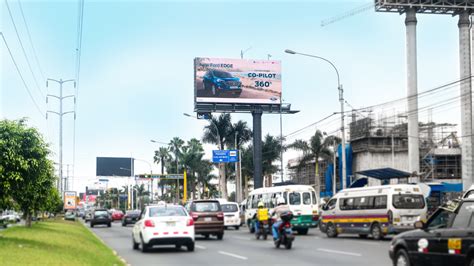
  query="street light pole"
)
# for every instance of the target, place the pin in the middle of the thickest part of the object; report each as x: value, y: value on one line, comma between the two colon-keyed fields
x: 341, y: 100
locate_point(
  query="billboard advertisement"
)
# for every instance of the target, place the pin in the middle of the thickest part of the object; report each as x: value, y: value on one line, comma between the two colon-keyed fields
x: 114, y: 166
x: 218, y: 80
x: 69, y: 200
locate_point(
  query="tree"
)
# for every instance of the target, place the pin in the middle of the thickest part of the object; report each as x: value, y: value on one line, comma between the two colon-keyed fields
x: 175, y: 146
x: 316, y: 148
x: 141, y: 192
x: 271, y: 151
x: 192, y: 155
x: 242, y: 134
x: 247, y: 167
x: 218, y: 132
x: 27, y: 175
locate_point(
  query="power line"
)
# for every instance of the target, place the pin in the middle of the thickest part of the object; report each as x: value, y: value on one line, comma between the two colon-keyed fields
x: 23, y: 49
x: 21, y: 76
x: 308, y: 126
x: 80, y: 20
x: 31, y: 41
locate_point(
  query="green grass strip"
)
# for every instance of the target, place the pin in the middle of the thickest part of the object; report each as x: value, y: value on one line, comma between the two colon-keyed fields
x: 54, y: 242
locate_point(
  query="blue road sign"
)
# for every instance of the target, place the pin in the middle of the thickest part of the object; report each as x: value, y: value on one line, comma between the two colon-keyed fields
x: 225, y: 156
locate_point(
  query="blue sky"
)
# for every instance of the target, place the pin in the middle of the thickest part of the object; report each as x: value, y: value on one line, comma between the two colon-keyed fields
x: 137, y: 66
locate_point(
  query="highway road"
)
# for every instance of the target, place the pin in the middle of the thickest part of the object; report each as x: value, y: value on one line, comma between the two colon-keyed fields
x: 241, y: 248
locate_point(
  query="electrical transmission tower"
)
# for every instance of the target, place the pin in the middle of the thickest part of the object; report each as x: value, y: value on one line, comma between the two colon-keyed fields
x: 61, y: 113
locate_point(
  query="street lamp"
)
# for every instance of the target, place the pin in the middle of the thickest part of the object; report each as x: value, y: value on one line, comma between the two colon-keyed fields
x: 159, y: 142
x: 151, y: 175
x: 341, y: 100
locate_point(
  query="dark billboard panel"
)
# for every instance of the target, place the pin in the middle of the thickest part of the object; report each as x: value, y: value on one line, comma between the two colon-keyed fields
x: 114, y: 166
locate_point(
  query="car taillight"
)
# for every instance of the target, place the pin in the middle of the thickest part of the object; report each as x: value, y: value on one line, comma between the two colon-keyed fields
x: 195, y: 216
x: 288, y: 225
x: 220, y: 215
x: 315, y: 218
x: 149, y: 223
x: 190, y: 222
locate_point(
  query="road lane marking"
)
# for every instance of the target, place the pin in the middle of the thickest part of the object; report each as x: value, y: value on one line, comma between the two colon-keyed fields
x: 240, y: 238
x: 339, y: 252
x: 233, y: 255
x: 200, y: 247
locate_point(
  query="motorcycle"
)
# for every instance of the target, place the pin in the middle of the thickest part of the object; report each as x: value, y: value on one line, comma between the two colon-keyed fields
x: 285, y: 231
x: 263, y: 230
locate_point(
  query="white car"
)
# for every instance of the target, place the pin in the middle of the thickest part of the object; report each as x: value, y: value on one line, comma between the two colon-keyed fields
x: 231, y: 215
x: 164, y: 225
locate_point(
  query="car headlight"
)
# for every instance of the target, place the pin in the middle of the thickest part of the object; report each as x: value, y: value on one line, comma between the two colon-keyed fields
x: 219, y: 80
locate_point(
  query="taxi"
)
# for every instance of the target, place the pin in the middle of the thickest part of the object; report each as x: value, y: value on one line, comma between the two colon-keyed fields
x: 447, y: 238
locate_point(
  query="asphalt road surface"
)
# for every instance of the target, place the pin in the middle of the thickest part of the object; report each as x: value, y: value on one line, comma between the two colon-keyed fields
x: 241, y: 248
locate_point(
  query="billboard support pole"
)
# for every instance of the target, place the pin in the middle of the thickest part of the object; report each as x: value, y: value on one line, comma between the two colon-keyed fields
x: 257, y: 148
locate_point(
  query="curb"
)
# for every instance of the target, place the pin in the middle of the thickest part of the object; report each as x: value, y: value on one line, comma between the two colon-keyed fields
x: 103, y: 242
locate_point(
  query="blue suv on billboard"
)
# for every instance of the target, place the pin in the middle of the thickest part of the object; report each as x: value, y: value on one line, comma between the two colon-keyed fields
x: 218, y: 82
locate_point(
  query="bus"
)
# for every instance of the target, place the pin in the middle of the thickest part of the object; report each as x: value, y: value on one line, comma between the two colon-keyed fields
x: 377, y: 210
x: 301, y: 200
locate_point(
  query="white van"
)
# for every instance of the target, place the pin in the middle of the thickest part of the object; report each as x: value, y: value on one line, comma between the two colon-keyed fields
x: 231, y: 214
x: 301, y: 200
x: 377, y: 210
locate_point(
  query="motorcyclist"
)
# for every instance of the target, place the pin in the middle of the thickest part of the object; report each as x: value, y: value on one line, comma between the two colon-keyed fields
x: 281, y: 208
x: 261, y: 215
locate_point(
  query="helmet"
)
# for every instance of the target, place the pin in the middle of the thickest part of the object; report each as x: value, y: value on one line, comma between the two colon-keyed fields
x: 260, y: 205
x: 280, y: 201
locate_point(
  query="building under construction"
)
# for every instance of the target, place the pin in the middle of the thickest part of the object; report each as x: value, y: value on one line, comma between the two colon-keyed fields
x: 381, y: 143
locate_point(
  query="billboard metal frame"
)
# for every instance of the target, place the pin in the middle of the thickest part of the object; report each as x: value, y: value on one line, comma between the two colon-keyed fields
x: 244, y: 108
x: 448, y: 7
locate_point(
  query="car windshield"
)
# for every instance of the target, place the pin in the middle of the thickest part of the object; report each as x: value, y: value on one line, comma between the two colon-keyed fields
x: 465, y: 215
x: 101, y: 213
x: 442, y: 218
x: 222, y: 74
x: 229, y: 208
x: 206, y: 206
x: 166, y: 211
x: 408, y: 201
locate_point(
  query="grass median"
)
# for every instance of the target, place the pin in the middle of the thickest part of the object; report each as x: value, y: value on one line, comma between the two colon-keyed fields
x: 54, y: 242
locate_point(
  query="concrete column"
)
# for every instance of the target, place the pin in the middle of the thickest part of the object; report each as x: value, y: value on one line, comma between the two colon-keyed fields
x: 257, y: 149
x: 412, y: 91
x: 466, y: 99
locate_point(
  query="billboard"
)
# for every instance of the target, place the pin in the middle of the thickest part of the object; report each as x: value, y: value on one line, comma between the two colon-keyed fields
x: 69, y: 200
x: 243, y: 81
x: 114, y: 166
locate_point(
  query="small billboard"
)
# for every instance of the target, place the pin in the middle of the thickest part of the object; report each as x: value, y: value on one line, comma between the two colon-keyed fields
x: 69, y: 200
x: 218, y: 80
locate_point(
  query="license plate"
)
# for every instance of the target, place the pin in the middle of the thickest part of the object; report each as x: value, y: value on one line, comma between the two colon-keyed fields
x: 207, y: 219
x: 171, y: 224
x: 234, y: 87
x: 454, y: 243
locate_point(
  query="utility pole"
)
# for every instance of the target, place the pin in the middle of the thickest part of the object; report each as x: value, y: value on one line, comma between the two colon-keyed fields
x: 60, y: 114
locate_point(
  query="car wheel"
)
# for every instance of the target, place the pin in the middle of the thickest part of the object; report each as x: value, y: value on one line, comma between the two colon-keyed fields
x: 401, y: 258
x: 303, y: 231
x: 190, y: 247
x: 124, y: 224
x: 226, y: 228
x: 92, y: 225
x: 251, y: 228
x: 178, y: 246
x: 331, y: 230
x: 363, y: 236
x: 135, y: 244
x: 220, y: 236
x: 206, y: 236
x: 376, y: 232
x: 288, y: 244
x: 237, y: 227
x: 145, y: 247
x: 109, y: 225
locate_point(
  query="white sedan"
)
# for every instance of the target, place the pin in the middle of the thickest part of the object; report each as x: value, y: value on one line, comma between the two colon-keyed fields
x: 164, y: 225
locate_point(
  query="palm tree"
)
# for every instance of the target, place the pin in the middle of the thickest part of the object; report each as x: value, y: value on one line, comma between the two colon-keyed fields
x: 271, y: 151
x: 242, y: 134
x: 192, y: 155
x: 316, y: 148
x: 175, y: 146
x: 141, y: 193
x: 162, y: 155
x: 218, y: 132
